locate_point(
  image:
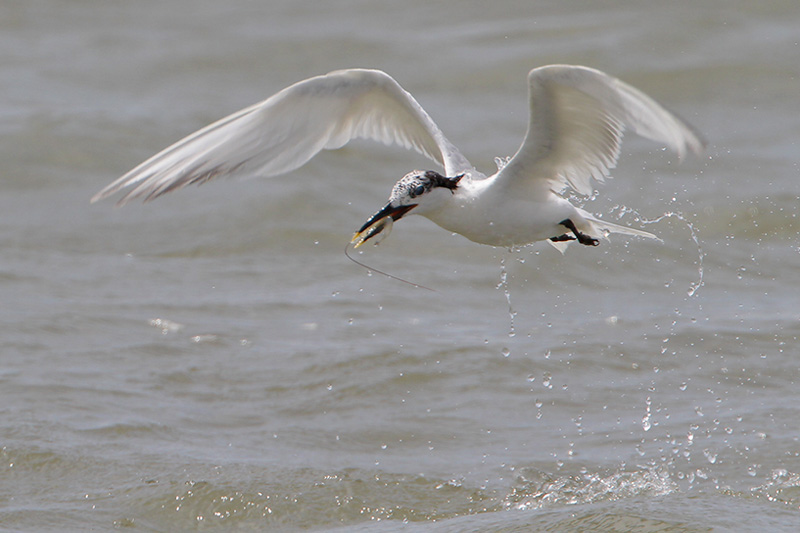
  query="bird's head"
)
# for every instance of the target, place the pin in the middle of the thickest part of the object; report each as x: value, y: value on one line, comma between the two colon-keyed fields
x: 421, y: 191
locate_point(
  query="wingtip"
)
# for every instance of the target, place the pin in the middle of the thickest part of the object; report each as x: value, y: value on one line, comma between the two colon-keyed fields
x: 103, y: 194
x: 695, y: 146
x: 696, y: 143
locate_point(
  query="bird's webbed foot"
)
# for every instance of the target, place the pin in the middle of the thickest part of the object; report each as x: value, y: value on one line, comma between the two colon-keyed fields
x: 582, y: 237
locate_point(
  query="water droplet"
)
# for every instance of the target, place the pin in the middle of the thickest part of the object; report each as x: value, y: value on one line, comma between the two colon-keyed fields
x: 506, y: 352
x: 712, y: 457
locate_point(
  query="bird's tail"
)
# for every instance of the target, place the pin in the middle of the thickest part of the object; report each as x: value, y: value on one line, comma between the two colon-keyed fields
x: 601, y: 229
x: 604, y: 227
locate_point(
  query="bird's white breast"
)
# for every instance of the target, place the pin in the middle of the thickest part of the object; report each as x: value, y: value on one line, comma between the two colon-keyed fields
x: 486, y: 213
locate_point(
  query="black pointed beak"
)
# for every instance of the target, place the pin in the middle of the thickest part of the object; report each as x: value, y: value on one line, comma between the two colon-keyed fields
x: 379, y: 221
x: 388, y: 211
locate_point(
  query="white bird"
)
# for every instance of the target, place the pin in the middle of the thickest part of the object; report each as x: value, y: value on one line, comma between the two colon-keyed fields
x: 577, y: 118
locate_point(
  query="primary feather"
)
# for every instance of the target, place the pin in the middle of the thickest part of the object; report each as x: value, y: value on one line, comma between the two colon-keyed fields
x: 577, y: 118
x: 286, y: 130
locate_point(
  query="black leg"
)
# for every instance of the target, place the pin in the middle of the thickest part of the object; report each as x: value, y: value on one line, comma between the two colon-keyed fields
x: 562, y: 238
x: 582, y: 237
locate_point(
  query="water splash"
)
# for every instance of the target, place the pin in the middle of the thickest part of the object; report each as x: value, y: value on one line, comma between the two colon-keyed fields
x: 782, y: 486
x: 710, y: 456
x: 694, y: 286
x: 646, y: 420
x: 501, y: 162
x: 536, y: 489
x: 166, y: 326
x: 503, y: 283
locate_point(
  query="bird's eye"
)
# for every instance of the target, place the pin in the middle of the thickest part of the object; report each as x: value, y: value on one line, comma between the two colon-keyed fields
x: 418, y: 190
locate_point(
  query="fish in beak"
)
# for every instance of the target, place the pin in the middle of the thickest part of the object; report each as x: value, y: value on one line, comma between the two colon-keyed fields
x: 380, y: 223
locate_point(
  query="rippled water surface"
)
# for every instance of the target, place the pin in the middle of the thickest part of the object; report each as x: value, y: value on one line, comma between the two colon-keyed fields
x: 212, y: 360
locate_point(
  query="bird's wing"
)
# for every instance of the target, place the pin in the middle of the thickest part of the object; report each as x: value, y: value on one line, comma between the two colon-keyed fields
x: 577, y: 117
x: 286, y: 130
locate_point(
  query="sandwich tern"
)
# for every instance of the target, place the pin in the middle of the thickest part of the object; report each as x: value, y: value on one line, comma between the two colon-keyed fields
x: 577, y: 118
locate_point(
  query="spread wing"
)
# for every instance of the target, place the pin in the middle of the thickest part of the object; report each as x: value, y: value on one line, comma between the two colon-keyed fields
x: 577, y: 118
x: 283, y: 132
